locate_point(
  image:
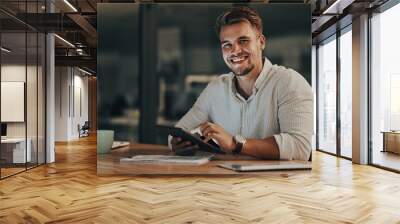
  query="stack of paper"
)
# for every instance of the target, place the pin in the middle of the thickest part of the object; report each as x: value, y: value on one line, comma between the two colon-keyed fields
x: 186, y: 160
x: 118, y: 144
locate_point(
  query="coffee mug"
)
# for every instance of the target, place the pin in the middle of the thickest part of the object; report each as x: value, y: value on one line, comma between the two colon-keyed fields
x: 105, y: 139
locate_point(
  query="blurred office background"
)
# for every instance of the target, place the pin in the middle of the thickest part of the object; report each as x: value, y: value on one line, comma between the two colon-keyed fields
x: 155, y: 59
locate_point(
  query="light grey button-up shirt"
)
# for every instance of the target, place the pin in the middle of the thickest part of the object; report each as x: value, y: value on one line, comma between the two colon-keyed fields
x: 281, y: 105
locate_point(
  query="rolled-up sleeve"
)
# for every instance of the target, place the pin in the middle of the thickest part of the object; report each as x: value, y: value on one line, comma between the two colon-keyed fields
x: 295, y: 117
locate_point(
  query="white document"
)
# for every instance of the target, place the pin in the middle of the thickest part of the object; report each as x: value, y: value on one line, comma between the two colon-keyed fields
x: 118, y: 144
x: 184, y: 160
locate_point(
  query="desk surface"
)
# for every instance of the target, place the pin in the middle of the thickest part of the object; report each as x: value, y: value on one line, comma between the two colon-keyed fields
x: 390, y: 132
x: 13, y: 140
x: 109, y: 164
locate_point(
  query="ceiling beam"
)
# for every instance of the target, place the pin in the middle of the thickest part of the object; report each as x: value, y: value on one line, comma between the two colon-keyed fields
x: 84, y: 61
x: 86, y: 27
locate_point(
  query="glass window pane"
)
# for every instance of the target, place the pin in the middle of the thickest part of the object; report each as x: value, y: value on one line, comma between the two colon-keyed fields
x: 385, y: 85
x: 41, y: 99
x: 32, y: 87
x: 31, y: 97
x: 14, y: 152
x: 346, y: 94
x: 327, y: 96
x: 118, y: 66
x: 23, y: 85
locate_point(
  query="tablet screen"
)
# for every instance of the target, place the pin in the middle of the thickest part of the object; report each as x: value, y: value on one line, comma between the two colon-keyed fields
x: 196, y: 139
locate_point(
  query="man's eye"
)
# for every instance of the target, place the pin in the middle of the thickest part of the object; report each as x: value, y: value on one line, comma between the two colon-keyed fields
x: 226, y: 46
x: 243, y: 41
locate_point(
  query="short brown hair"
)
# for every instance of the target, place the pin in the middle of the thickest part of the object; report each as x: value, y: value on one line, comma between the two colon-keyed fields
x: 239, y: 14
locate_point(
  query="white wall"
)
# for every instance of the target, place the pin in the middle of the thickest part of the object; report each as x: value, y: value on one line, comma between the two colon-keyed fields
x: 62, y: 81
x: 12, y: 73
x: 80, y: 112
x: 33, y: 126
x: 71, y: 93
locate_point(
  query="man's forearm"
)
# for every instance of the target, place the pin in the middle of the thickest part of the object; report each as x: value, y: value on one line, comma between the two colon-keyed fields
x: 262, y: 148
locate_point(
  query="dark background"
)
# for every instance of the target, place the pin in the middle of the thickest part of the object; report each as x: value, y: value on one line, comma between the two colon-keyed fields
x: 155, y: 59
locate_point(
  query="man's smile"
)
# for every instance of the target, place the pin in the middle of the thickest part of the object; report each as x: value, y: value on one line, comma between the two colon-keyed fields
x: 238, y: 59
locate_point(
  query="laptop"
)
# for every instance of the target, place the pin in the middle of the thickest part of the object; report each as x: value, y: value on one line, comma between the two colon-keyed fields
x: 270, y: 166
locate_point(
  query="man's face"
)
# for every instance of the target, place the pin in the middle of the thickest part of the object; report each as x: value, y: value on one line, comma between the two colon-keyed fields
x: 242, y: 47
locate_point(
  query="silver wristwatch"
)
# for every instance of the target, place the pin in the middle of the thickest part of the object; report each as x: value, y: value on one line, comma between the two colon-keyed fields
x: 239, y: 142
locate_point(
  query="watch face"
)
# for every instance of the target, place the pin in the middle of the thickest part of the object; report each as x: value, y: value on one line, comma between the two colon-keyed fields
x: 240, y: 139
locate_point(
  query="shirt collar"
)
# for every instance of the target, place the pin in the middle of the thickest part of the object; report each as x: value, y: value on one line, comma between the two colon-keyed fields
x: 263, y: 75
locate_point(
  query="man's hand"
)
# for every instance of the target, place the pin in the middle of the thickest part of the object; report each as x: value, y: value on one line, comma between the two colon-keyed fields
x: 211, y: 130
x: 178, y: 143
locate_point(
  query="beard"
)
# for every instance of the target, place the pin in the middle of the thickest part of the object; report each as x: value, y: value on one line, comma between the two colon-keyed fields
x: 244, y: 71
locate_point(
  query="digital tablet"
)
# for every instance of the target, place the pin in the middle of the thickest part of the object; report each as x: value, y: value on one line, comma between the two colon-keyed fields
x: 179, y: 132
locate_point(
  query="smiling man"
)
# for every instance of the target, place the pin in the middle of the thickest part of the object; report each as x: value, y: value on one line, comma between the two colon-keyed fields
x: 257, y: 109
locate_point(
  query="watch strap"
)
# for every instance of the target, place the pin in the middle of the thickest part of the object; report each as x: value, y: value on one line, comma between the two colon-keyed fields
x: 238, y: 146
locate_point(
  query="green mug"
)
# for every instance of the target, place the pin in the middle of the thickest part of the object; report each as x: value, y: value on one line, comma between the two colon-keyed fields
x: 105, y: 139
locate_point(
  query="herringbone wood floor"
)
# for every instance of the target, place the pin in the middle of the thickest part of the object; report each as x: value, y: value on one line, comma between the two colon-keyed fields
x: 69, y: 191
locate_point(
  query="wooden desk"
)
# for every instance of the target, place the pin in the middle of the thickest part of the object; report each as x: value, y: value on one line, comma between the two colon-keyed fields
x: 14, y: 152
x: 109, y: 164
x: 391, y: 141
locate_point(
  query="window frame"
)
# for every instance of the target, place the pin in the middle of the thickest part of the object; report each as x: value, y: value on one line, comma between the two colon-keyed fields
x: 334, y: 37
